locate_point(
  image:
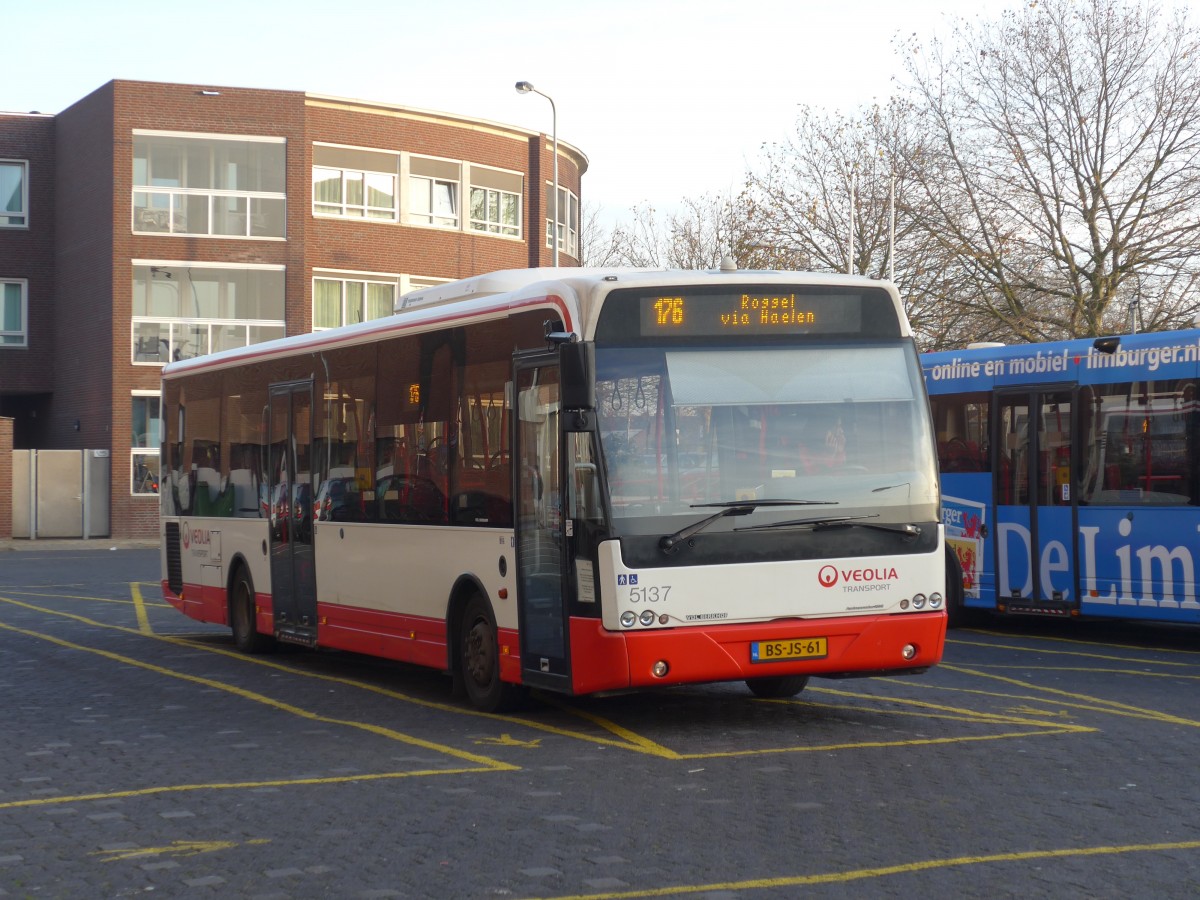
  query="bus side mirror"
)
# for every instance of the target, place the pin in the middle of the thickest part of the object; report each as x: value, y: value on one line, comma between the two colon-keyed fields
x: 577, y: 369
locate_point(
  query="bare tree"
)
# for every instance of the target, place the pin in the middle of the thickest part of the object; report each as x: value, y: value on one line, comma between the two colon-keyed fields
x: 836, y: 197
x: 1061, y: 179
x: 599, y: 245
x: 695, y: 236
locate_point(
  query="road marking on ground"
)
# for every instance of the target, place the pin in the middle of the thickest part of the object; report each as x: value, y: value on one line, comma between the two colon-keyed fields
x: 479, y: 763
x: 624, y: 738
x: 924, y: 865
x: 1046, y: 651
x: 1086, y: 642
x: 139, y: 609
x: 1077, y: 700
x: 176, y: 848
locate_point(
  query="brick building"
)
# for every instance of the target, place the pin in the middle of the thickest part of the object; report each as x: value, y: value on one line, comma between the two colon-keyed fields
x: 150, y: 222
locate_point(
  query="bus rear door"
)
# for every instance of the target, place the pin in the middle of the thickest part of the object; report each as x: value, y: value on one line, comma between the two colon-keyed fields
x: 1035, y: 547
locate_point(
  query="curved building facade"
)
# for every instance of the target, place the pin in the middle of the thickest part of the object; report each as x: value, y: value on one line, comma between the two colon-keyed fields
x: 149, y: 222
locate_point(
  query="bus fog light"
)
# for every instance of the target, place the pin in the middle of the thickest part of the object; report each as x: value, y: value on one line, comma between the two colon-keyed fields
x: 660, y: 669
x: 935, y: 600
x: 647, y: 617
x: 918, y: 601
x: 909, y: 651
x: 628, y: 619
x: 904, y: 603
x: 663, y: 619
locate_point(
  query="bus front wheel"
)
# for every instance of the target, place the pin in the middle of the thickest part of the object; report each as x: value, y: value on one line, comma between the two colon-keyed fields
x: 777, y: 687
x: 246, y: 635
x: 479, y: 659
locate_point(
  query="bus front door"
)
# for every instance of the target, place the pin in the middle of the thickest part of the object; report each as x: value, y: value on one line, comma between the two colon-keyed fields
x: 1035, y: 548
x: 541, y: 598
x: 293, y: 579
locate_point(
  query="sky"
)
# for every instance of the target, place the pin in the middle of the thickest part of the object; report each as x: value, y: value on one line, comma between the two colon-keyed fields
x: 667, y: 98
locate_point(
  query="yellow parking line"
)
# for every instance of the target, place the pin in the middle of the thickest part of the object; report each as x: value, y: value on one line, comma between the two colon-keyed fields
x: 1043, y: 651
x: 1081, y: 701
x: 624, y: 738
x: 378, y: 730
x: 245, y: 785
x: 139, y: 609
x: 924, y: 865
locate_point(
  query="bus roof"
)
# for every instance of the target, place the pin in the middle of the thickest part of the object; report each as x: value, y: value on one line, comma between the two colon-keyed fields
x: 574, y: 292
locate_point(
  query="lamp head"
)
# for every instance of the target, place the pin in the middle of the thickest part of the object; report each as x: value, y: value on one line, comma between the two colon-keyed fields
x: 524, y: 87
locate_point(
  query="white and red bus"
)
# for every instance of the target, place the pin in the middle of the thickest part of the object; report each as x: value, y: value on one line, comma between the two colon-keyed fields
x: 575, y: 479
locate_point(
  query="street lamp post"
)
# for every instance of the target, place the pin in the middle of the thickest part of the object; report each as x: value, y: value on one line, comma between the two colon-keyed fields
x: 524, y: 87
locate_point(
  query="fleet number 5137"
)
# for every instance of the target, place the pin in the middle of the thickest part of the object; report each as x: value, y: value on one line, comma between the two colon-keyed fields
x: 649, y: 594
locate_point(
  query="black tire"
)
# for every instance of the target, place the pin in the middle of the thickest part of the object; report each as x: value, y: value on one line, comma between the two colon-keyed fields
x: 957, y: 613
x: 777, y: 687
x: 479, y: 660
x: 246, y: 635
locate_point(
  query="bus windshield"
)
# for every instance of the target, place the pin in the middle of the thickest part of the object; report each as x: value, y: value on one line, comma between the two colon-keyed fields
x: 843, y: 424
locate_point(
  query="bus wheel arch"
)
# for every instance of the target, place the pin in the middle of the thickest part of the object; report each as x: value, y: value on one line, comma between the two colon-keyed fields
x: 957, y: 613
x: 475, y: 651
x: 242, y: 611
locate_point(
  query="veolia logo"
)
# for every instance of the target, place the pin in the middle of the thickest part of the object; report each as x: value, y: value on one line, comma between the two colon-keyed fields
x: 187, y: 536
x: 828, y: 576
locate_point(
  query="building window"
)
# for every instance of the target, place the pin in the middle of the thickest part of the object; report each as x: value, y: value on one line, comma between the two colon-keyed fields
x: 354, y: 184
x: 568, y: 221
x: 147, y: 438
x: 496, y: 201
x: 14, y: 193
x: 345, y: 301
x: 496, y: 211
x: 182, y: 310
x: 433, y: 192
x: 13, y: 312
x: 209, y: 186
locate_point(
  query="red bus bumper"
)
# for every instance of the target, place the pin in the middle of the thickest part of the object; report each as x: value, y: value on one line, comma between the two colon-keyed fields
x: 606, y: 661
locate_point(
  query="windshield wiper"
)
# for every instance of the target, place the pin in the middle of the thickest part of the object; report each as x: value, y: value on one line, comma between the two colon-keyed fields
x: 668, y: 542
x: 822, y: 524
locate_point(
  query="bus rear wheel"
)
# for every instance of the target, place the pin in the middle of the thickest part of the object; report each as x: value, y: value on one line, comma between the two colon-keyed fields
x: 242, y: 616
x: 479, y: 660
x: 777, y: 687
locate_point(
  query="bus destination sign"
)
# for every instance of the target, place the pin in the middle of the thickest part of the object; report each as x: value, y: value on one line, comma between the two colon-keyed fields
x: 750, y: 313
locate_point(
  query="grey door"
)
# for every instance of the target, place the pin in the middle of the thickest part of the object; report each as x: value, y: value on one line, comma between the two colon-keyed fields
x: 542, y: 607
x: 293, y: 578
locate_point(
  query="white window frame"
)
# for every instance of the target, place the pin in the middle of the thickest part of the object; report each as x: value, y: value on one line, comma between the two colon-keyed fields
x: 362, y: 212
x: 343, y: 278
x: 421, y: 176
x: 568, y: 224
x: 23, y: 214
x: 497, y: 186
x: 432, y: 218
x: 186, y: 331
x: 490, y: 225
x: 162, y: 208
x: 137, y: 454
x: 23, y: 332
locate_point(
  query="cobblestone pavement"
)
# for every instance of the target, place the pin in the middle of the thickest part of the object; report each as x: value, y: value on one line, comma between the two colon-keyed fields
x: 142, y: 754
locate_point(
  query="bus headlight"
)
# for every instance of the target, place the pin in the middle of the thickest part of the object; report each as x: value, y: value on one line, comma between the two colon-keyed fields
x: 628, y: 619
x: 918, y: 601
x: 935, y: 600
x: 647, y: 617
